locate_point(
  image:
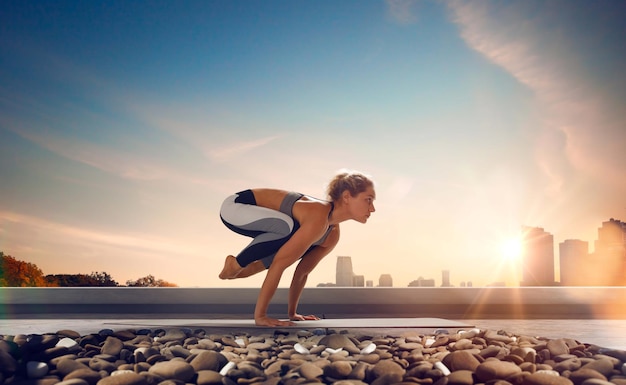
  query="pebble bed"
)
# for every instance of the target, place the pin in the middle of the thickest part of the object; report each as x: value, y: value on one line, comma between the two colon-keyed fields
x: 180, y: 356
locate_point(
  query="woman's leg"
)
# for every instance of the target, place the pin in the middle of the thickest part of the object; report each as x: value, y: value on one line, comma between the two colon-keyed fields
x: 270, y: 229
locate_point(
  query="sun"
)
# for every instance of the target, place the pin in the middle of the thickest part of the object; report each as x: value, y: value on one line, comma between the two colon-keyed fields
x: 511, y: 248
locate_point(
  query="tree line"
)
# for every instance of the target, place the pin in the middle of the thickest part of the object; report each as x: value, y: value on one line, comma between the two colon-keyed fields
x: 16, y: 273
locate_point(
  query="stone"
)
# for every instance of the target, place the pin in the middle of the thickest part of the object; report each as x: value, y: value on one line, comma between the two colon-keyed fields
x: 310, y: 371
x: 528, y: 354
x: 336, y: 341
x: 359, y: 371
x: 545, y: 379
x: 410, y: 346
x: 461, y: 377
x: 128, y: 378
x: 8, y: 364
x: 68, y: 365
x: 124, y: 335
x: 67, y: 343
x: 301, y: 349
x: 571, y: 364
x: 68, y: 333
x: 112, y: 345
x: 493, y: 336
x: 603, y: 366
x: 596, y: 381
x: 617, y: 353
x: 35, y: 369
x: 101, y: 364
x: 582, y: 374
x: 173, y: 370
x: 208, y: 360
x: 369, y: 349
x: 388, y: 379
x: 209, y: 377
x: 179, y: 351
x: 71, y: 381
x: 557, y: 347
x: 261, y: 346
x: 338, y: 370
x: 91, y: 376
x: 494, y: 369
x: 461, y: 360
x: 442, y: 367
x: 386, y: 366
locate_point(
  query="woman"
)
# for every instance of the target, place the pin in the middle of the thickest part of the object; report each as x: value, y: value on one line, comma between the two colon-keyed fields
x: 287, y: 226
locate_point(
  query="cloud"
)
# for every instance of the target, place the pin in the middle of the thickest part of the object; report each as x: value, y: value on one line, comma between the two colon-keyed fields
x: 232, y: 150
x: 39, y: 229
x: 131, y: 166
x: 536, y: 45
x: 402, y: 11
x: 105, y: 159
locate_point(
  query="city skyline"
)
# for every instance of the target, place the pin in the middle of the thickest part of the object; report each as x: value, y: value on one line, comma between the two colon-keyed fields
x: 124, y: 125
x: 575, y: 264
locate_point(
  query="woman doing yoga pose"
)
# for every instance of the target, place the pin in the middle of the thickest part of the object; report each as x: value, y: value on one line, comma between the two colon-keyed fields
x: 287, y: 226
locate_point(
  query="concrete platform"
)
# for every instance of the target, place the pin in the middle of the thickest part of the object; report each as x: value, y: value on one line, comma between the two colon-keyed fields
x: 335, y: 302
x: 341, y: 323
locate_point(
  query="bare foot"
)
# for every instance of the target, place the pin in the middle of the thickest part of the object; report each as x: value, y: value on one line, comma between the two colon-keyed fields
x: 298, y: 317
x: 251, y: 269
x: 267, y: 321
x: 231, y: 268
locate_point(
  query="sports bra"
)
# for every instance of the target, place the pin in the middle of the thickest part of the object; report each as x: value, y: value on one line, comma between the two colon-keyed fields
x: 286, y: 207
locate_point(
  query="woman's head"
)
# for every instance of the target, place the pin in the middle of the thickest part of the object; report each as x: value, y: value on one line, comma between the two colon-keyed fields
x: 351, y: 181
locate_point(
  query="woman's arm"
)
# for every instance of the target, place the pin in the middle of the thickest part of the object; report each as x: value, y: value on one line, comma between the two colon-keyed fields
x: 285, y: 257
x: 306, y: 265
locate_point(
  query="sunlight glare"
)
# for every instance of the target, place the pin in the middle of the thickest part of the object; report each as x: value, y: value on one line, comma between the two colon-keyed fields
x: 511, y: 248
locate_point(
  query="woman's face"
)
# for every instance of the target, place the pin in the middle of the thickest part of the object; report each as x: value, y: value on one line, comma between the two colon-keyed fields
x: 362, y: 205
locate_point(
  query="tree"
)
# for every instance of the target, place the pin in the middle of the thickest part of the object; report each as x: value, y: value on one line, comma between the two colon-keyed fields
x: 81, y: 280
x: 14, y: 273
x: 103, y: 279
x: 149, y: 281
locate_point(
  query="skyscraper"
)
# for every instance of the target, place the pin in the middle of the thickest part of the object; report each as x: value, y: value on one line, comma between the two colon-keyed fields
x: 609, y: 257
x: 385, y: 280
x: 537, y: 257
x: 344, y: 272
x: 573, y: 261
x: 445, y: 278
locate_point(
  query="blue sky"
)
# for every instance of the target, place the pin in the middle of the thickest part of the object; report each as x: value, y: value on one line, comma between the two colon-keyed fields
x: 123, y: 126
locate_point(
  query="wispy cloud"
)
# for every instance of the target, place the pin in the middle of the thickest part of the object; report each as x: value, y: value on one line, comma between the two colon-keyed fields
x: 532, y: 47
x: 58, y: 231
x: 232, y: 150
x: 402, y: 11
x: 202, y: 130
x: 106, y: 159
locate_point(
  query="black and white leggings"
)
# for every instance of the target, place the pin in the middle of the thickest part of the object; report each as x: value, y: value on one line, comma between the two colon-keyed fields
x: 270, y: 229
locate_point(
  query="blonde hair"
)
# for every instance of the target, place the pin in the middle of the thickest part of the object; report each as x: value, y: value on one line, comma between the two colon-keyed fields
x: 353, y: 181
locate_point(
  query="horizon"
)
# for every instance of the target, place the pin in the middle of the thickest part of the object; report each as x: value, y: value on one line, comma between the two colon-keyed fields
x: 123, y: 127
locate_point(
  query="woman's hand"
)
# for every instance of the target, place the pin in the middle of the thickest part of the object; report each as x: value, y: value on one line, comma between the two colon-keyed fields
x: 298, y: 317
x: 268, y: 321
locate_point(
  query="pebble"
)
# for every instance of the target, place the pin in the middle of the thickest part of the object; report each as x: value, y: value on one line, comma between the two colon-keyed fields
x: 36, y: 369
x: 185, y: 356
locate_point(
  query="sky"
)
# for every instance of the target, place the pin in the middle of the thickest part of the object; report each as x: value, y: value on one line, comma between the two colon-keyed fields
x: 124, y: 125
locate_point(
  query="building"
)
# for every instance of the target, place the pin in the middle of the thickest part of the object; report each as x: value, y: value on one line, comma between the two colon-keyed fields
x: 608, y: 261
x: 385, y: 280
x: 537, y: 257
x: 422, y: 282
x: 445, y: 278
x: 573, y: 261
x: 358, y: 281
x: 344, y: 273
